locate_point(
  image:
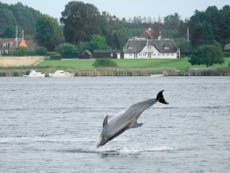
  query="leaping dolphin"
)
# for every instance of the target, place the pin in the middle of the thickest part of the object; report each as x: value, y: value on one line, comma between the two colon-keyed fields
x: 126, y: 119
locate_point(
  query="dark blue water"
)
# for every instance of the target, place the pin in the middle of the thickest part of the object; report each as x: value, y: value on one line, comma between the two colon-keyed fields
x: 53, y: 125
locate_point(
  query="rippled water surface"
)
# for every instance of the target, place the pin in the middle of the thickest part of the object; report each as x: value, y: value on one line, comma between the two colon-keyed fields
x: 53, y: 125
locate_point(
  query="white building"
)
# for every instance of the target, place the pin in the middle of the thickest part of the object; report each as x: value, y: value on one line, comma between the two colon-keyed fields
x: 146, y: 48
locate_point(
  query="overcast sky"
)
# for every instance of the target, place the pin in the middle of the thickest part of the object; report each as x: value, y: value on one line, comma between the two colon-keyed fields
x: 128, y: 8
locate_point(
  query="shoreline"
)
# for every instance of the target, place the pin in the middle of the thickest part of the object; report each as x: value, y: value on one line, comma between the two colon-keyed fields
x: 19, y: 66
x: 20, y: 71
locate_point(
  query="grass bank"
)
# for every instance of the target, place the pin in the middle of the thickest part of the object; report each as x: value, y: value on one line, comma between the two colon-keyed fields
x: 121, y: 63
x: 134, y: 67
x: 137, y: 67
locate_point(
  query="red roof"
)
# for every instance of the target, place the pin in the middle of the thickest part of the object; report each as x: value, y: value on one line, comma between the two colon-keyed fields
x: 148, y: 33
x: 10, y: 43
x: 23, y: 43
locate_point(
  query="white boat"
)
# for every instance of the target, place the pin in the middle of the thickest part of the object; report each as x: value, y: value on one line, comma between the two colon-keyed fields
x: 61, y: 74
x: 156, y: 75
x: 35, y: 74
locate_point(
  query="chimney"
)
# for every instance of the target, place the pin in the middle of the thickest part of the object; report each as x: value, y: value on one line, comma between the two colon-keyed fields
x: 22, y: 34
x: 16, y: 36
x: 160, y: 36
x: 188, y: 34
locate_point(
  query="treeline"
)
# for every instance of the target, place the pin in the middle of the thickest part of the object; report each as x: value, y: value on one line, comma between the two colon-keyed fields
x: 18, y: 14
x: 210, y: 26
x: 82, y: 25
x: 80, y: 21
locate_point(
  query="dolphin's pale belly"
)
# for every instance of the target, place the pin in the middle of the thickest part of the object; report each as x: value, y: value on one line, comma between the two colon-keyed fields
x: 118, y: 123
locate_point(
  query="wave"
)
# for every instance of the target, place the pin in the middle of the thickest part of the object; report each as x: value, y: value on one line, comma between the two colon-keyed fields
x: 125, y: 151
x: 56, y: 139
x: 86, y: 146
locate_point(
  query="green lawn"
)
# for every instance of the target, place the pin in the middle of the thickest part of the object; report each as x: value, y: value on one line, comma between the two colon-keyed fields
x: 69, y: 63
x: 152, y: 63
x: 127, y: 63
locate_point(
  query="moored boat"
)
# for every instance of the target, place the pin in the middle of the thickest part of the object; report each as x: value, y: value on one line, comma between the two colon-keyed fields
x: 35, y: 74
x: 61, y: 74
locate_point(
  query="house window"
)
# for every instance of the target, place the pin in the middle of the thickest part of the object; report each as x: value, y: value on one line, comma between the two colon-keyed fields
x: 149, y: 54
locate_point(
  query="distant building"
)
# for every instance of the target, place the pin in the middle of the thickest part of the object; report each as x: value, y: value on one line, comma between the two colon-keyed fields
x: 227, y: 47
x: 8, y: 44
x: 86, y: 54
x: 107, y: 54
x: 143, y: 48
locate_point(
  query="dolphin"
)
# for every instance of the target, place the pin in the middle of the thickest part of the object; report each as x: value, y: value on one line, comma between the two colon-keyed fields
x: 126, y: 119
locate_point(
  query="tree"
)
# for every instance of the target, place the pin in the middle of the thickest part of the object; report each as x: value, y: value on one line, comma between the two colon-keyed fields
x: 8, y: 32
x: 97, y: 42
x: 67, y: 50
x: 48, y: 33
x: 210, y: 25
x: 17, y: 14
x: 26, y: 17
x: 184, y: 45
x: 171, y: 26
x: 7, y: 19
x: 208, y: 55
x: 113, y: 30
x: 80, y: 21
x: 40, y: 51
x: 201, y: 30
x: 225, y: 25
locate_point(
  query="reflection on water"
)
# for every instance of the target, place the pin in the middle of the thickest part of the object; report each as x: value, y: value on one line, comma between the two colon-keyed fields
x: 53, y: 125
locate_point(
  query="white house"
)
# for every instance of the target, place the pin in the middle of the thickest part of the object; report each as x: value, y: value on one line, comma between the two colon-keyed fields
x: 148, y: 48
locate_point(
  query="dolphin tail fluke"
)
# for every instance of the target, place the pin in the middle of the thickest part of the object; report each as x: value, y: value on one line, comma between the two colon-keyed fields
x: 160, y: 97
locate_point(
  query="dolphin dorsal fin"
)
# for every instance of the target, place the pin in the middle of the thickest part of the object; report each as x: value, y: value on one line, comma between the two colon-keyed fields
x: 105, y: 122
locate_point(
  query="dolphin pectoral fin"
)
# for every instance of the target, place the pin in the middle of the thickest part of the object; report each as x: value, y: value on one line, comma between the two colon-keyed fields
x: 105, y: 122
x: 135, y: 125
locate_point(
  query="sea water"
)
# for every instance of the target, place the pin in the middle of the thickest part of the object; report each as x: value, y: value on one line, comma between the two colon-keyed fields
x: 53, y: 125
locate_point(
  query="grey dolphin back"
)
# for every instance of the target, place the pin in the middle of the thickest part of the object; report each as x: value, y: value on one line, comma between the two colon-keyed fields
x: 140, y: 107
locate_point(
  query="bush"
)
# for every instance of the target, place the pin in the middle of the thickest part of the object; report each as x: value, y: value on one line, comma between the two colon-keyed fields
x: 208, y: 55
x: 104, y: 63
x: 67, y: 50
x: 40, y: 51
x: 54, y: 56
x: 20, y: 51
x: 227, y: 54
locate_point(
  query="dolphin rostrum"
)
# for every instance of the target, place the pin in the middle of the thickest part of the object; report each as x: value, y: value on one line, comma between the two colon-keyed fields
x: 126, y: 119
